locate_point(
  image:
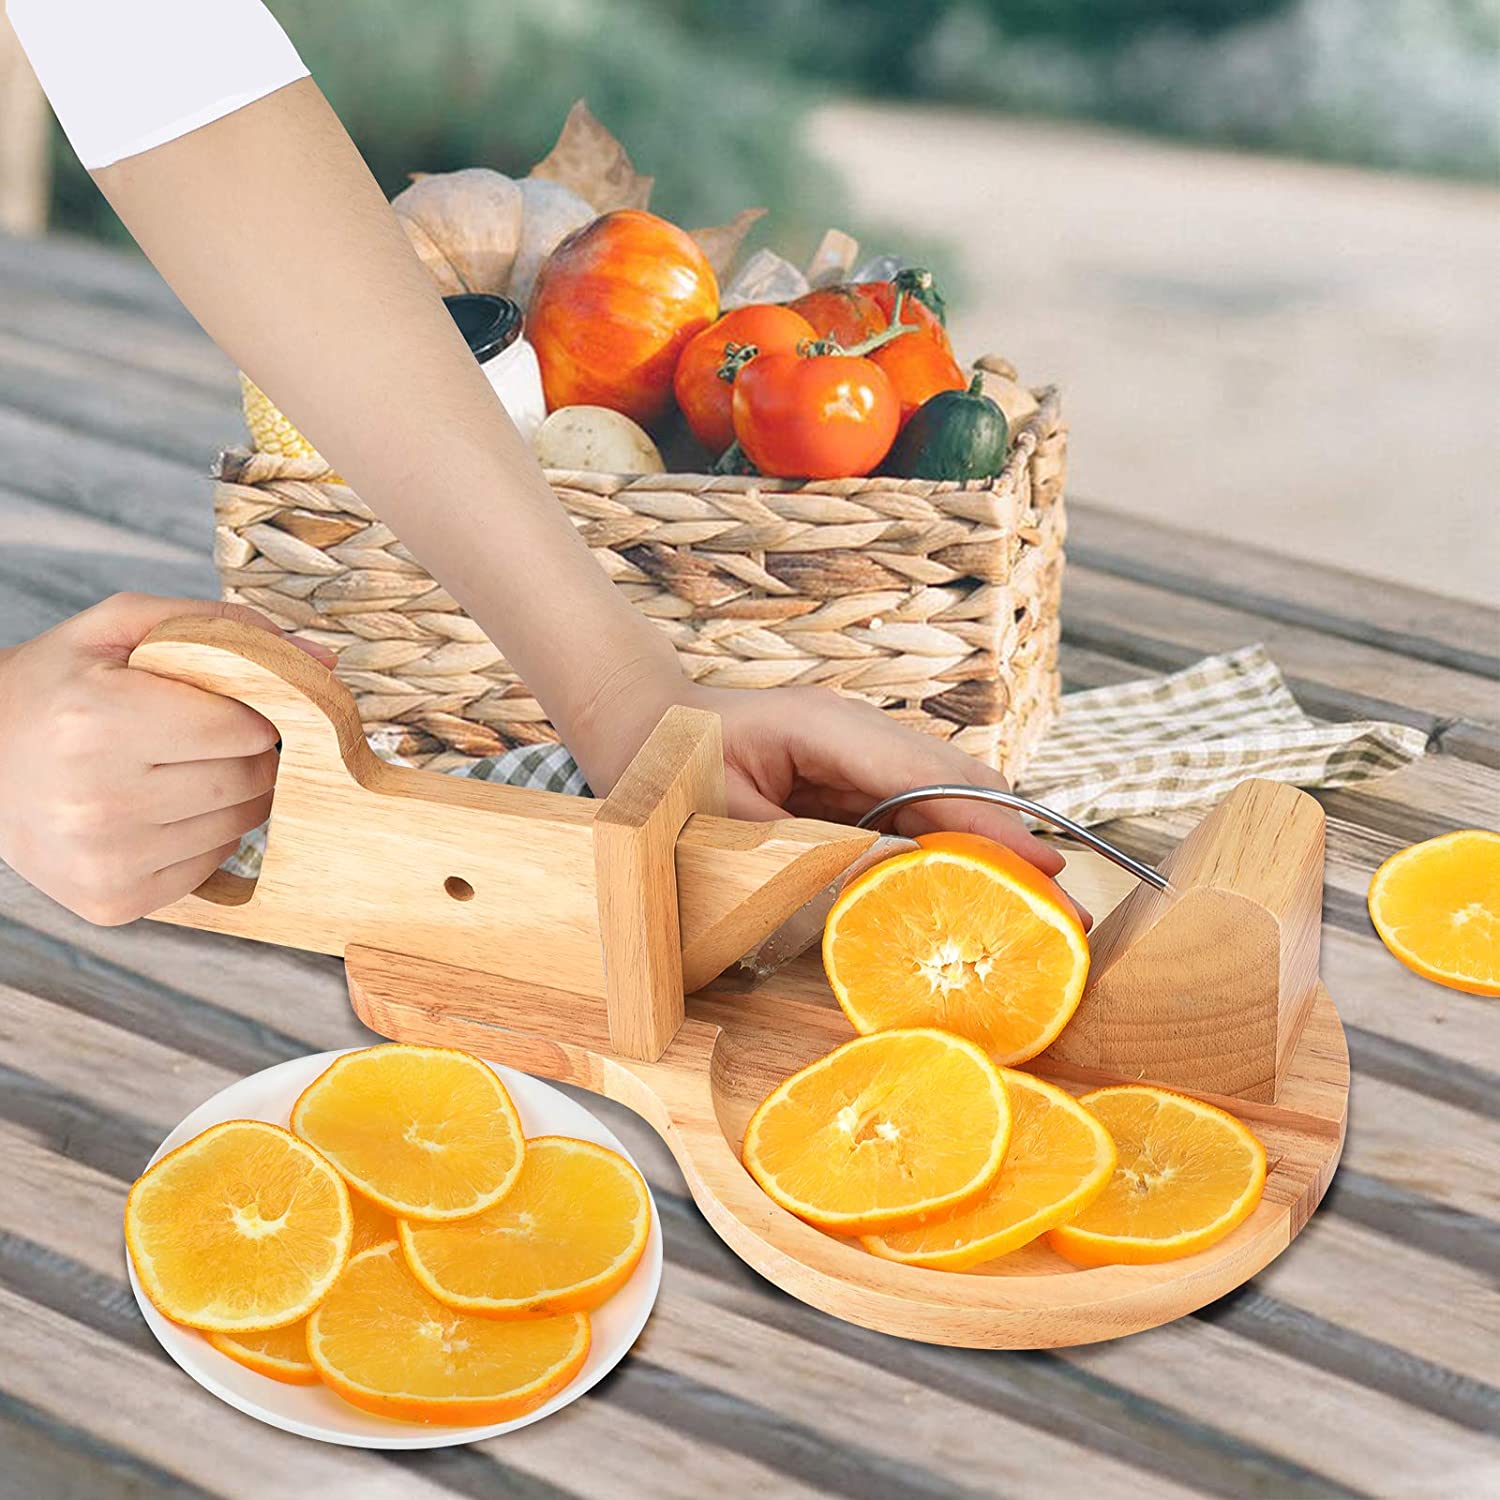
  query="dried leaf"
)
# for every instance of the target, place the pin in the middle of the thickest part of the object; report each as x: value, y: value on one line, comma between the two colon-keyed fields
x: 588, y: 159
x: 722, y: 242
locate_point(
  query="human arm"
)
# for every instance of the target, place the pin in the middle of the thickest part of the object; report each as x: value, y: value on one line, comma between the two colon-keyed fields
x: 302, y: 275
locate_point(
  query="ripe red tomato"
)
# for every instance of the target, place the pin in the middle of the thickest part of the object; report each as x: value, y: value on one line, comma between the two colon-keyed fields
x: 702, y: 393
x: 817, y: 416
x: 918, y: 366
x: 613, y: 308
x: 846, y: 313
x: 913, y: 310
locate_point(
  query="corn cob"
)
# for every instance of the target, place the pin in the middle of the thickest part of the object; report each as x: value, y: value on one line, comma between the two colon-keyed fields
x: 270, y: 431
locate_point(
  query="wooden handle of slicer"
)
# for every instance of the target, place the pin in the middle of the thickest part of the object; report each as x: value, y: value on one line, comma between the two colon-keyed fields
x: 495, y: 878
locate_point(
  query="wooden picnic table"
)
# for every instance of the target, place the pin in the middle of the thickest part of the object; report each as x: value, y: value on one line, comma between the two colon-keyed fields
x: 1365, y: 1361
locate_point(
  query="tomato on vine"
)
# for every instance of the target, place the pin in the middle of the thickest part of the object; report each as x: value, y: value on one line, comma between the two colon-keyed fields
x: 710, y: 363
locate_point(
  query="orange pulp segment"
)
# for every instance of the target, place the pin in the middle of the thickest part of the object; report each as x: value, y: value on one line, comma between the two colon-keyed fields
x: 962, y: 934
x: 244, y: 1227
x: 882, y: 1132
x: 1060, y: 1159
x: 1436, y: 906
x: 565, y: 1238
x: 1186, y: 1174
x: 387, y: 1345
x: 423, y: 1132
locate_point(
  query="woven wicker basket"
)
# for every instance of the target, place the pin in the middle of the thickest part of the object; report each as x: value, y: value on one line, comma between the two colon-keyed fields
x: 936, y: 601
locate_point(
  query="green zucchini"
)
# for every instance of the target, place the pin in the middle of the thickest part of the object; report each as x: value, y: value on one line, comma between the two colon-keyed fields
x: 952, y: 435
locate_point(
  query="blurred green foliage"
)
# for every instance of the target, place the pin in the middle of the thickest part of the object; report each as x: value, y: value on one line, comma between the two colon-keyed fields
x: 711, y: 95
x: 459, y: 83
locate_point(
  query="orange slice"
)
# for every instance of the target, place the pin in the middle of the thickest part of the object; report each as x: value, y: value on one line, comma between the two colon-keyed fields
x: 424, y: 1132
x: 281, y: 1353
x: 962, y: 934
x: 1186, y: 1175
x: 1060, y: 1159
x: 565, y: 1238
x: 1436, y: 906
x: 882, y: 1132
x: 386, y: 1344
x: 244, y: 1227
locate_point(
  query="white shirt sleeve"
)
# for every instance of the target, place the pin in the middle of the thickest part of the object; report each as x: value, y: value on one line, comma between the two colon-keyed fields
x: 123, y: 76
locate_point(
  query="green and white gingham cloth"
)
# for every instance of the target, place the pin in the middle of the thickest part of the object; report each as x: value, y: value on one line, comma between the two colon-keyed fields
x: 1187, y: 739
x: 1148, y: 746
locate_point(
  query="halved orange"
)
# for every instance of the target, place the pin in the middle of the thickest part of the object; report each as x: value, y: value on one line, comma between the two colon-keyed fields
x: 1186, y: 1174
x: 565, y: 1238
x: 962, y: 934
x: 242, y: 1228
x: 423, y: 1132
x: 882, y: 1133
x: 384, y: 1343
x: 281, y: 1353
x: 1060, y: 1159
x: 1436, y: 906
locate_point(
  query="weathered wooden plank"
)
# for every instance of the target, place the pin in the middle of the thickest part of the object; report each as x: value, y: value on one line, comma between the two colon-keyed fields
x: 1257, y: 581
x: 54, y: 1460
x: 84, y: 270
x: 1253, y: 1389
x: 181, y: 356
x: 154, y: 1413
x: 1122, y: 617
x: 137, y: 491
x: 138, y: 409
x: 1468, y: 741
x: 1386, y: 1290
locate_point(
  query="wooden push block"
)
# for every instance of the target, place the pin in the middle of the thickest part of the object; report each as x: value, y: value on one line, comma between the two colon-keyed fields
x: 1206, y: 986
x: 679, y: 771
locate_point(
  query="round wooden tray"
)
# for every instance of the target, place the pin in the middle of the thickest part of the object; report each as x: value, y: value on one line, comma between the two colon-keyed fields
x: 737, y: 1044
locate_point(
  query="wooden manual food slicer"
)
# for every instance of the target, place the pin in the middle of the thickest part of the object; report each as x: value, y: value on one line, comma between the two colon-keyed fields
x: 585, y: 941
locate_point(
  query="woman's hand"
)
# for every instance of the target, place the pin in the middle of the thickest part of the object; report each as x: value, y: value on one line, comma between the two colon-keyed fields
x: 119, y: 790
x: 806, y: 752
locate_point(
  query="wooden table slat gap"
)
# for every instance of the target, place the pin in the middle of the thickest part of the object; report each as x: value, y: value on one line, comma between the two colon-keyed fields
x: 1364, y: 633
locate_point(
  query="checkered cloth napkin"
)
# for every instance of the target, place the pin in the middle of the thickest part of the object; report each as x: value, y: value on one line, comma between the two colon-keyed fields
x: 1136, y: 747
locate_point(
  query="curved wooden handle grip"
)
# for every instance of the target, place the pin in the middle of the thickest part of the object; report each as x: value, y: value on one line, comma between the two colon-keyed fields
x: 314, y: 712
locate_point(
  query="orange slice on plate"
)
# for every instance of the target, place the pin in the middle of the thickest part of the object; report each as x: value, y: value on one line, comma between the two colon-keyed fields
x: 1060, y: 1159
x: 281, y: 1353
x: 387, y: 1345
x: 1186, y: 1174
x: 423, y: 1132
x: 1436, y: 906
x: 882, y: 1132
x: 961, y: 934
x: 564, y: 1239
x: 244, y: 1227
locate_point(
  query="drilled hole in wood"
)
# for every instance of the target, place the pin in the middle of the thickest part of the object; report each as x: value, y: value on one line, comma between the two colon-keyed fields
x: 459, y: 888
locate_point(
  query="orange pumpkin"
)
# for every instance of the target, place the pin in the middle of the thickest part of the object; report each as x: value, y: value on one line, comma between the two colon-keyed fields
x: 614, y: 306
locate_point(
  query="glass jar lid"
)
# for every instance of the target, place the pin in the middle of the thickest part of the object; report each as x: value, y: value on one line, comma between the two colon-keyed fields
x: 489, y: 323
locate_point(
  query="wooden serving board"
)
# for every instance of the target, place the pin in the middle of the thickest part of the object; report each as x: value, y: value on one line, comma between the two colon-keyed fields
x: 515, y: 944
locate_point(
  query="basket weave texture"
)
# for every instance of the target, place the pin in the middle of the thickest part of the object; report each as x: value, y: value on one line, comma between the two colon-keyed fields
x: 936, y: 601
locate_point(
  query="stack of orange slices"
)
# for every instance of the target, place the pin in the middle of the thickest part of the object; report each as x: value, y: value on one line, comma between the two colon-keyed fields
x: 923, y: 1139
x: 403, y: 1244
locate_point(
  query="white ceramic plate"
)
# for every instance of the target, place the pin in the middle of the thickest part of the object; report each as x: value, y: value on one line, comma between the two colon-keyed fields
x: 312, y: 1411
